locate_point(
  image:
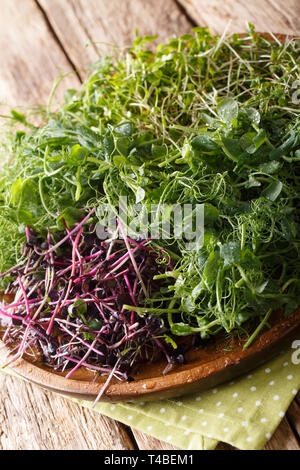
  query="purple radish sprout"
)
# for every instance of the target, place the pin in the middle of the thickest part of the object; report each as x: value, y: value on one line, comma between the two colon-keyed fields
x: 66, y: 302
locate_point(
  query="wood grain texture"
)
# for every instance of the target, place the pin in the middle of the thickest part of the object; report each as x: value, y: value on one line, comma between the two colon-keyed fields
x: 278, y: 16
x: 110, y: 22
x: 146, y: 442
x: 293, y: 416
x: 31, y: 59
x: 31, y: 418
x: 283, y: 438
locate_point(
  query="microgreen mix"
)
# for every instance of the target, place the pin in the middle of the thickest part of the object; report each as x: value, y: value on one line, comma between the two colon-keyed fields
x: 202, y: 120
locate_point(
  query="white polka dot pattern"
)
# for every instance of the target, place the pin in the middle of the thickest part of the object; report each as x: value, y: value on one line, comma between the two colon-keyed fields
x: 244, y: 412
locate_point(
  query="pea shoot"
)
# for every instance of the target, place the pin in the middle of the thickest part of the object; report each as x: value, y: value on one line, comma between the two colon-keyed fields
x: 200, y: 120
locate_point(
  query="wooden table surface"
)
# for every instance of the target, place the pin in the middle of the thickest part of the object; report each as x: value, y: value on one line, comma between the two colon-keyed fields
x: 38, y: 40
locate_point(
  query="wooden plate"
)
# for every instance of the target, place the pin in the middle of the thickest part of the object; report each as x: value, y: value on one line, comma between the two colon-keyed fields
x: 221, y: 360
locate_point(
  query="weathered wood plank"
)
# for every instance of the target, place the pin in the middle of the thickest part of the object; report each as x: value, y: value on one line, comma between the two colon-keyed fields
x: 110, y: 22
x: 31, y: 418
x: 278, y: 16
x: 224, y: 446
x: 283, y: 438
x: 146, y: 442
x: 31, y: 59
x: 293, y: 415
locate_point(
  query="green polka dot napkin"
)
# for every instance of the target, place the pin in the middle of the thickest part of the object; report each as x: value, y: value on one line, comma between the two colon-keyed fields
x: 243, y: 413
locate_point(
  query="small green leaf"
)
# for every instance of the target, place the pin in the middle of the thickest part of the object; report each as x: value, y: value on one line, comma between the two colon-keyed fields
x: 25, y: 217
x: 16, y: 191
x: 108, y: 145
x: 88, y: 337
x: 122, y: 145
x: 170, y: 341
x: 124, y: 129
x: 211, y: 214
x: 211, y: 269
x: 197, y: 291
x: 259, y: 139
x: 285, y: 147
x: 77, y: 155
x: 159, y: 150
x: 273, y: 190
x: 249, y: 260
x: 232, y: 148
x: 251, y: 142
x: 228, y: 110
x: 297, y: 154
x: 252, y: 114
x: 181, y: 329
x: 188, y: 304
x: 119, y: 160
x: 20, y: 117
x: 204, y: 143
x: 231, y: 253
x: 139, y: 195
x: 252, y: 182
x: 70, y: 215
x: 79, y: 309
x: 269, y: 167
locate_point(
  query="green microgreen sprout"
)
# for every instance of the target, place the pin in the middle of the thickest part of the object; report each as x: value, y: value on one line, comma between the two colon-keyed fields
x: 200, y: 120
